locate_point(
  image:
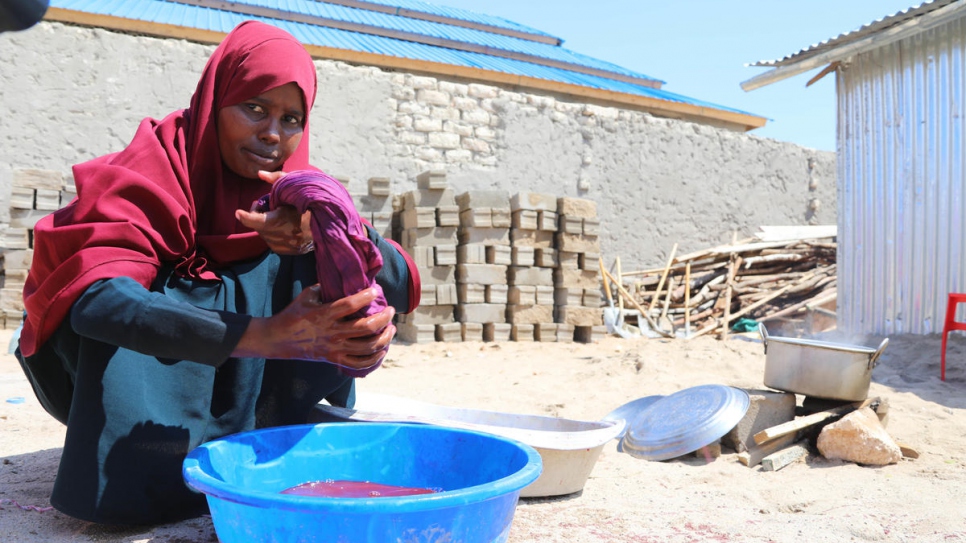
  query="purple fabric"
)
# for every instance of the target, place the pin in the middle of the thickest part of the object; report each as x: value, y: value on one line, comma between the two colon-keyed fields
x: 346, y: 260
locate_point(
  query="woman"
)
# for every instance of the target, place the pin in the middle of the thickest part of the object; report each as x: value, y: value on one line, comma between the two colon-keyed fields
x: 161, y: 314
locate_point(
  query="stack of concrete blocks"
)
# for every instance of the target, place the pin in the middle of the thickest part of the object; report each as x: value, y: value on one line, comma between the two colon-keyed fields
x: 428, y: 222
x: 33, y: 195
x: 377, y: 205
x: 577, y: 281
x: 533, y: 259
x: 482, y: 260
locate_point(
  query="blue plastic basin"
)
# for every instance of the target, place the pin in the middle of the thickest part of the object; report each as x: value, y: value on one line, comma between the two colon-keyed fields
x: 481, y: 476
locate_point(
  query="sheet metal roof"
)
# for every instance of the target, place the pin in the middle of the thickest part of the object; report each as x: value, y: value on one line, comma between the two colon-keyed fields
x: 855, y: 35
x: 178, y: 13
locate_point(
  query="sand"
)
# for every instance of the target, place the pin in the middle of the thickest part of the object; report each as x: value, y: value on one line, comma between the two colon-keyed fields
x: 626, y: 499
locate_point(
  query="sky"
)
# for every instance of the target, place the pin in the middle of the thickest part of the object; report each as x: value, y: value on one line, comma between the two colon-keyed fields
x: 700, y: 48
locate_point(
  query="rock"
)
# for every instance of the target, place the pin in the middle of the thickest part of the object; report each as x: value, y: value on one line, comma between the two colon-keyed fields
x: 859, y: 437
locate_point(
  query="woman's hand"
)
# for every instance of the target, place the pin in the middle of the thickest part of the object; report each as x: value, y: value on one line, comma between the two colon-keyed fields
x: 310, y: 330
x: 283, y: 230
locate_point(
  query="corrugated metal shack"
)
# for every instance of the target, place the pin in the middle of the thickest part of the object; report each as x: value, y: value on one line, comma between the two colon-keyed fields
x: 901, y: 94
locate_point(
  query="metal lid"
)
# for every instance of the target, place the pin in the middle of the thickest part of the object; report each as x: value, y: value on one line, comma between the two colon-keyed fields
x: 629, y: 411
x: 685, y: 421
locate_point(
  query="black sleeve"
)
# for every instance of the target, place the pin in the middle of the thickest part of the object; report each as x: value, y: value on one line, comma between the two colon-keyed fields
x: 394, y: 277
x: 122, y: 312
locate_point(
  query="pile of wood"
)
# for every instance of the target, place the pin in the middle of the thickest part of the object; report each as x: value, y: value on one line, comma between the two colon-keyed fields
x: 784, y: 275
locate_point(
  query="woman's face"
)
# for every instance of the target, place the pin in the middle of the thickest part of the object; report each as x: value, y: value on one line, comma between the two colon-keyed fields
x: 261, y: 133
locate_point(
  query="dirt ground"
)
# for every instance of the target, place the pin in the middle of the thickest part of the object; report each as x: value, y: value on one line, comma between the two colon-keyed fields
x: 626, y: 499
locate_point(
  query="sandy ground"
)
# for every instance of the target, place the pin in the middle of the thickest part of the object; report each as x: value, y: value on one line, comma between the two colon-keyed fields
x: 626, y: 499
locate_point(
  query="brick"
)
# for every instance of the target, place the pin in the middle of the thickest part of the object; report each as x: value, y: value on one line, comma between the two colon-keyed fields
x: 571, y: 225
x: 577, y: 207
x: 547, y: 220
x: 579, y: 316
x: 446, y: 294
x: 416, y: 333
x: 440, y: 235
x: 471, y: 254
x: 531, y: 238
x: 577, y: 243
x: 418, y: 217
x: 525, y: 275
x: 767, y: 408
x: 568, y: 296
x: 379, y: 186
x: 500, y: 217
x: 449, y: 333
x: 472, y: 331
x: 447, y: 216
x: 493, y: 199
x: 522, y: 256
x: 430, y: 314
x: 495, y: 294
x: 529, y: 314
x: 545, y: 332
x: 470, y: 293
x: 498, y: 254
x: 481, y: 274
x: 432, y: 180
x: 524, y: 218
x: 565, y: 333
x: 545, y: 257
x: 428, y: 198
x: 445, y: 255
x: 438, y: 275
x: 545, y: 295
x: 521, y: 332
x: 480, y: 217
x: 533, y: 200
x: 485, y: 236
x: 481, y: 313
x: 496, y: 331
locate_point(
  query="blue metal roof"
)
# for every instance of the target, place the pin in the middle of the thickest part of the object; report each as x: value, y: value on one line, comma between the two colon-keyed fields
x: 211, y: 19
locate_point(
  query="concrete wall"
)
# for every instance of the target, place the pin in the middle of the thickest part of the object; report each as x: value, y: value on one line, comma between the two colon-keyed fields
x: 74, y: 93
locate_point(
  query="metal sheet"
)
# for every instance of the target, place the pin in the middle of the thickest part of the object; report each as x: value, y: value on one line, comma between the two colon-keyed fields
x: 685, y: 421
x: 902, y: 183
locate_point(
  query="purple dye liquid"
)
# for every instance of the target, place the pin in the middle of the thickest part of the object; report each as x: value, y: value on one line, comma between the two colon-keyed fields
x: 354, y: 489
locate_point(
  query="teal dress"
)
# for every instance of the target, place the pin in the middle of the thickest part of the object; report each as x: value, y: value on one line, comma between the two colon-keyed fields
x: 141, y: 377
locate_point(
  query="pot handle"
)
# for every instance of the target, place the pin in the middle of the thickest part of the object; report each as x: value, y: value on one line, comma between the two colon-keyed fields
x: 764, y: 335
x: 875, y: 356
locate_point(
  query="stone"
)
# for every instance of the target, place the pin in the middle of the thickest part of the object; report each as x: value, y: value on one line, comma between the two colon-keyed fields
x: 767, y: 408
x: 859, y: 437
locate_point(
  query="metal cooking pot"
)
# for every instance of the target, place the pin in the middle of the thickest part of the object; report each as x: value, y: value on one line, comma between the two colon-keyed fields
x: 819, y: 369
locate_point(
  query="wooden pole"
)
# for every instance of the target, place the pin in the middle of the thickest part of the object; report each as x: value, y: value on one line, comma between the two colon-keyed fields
x: 620, y: 280
x: 610, y: 299
x: 687, y: 299
x: 660, y: 284
x: 630, y: 299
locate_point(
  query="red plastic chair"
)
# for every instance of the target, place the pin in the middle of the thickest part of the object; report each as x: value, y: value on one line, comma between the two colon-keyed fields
x: 951, y: 324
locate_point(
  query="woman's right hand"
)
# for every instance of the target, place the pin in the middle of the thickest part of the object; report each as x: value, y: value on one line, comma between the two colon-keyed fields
x: 310, y: 330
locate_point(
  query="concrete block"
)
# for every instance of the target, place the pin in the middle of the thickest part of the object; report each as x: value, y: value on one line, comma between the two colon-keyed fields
x: 496, y: 331
x: 17, y: 260
x: 571, y: 225
x: 579, y: 316
x: 577, y: 279
x: 522, y: 256
x: 521, y: 332
x: 531, y: 238
x: 524, y: 218
x: 568, y: 296
x: 495, y: 294
x: 430, y: 314
x: 481, y: 274
x: 545, y: 258
x: 592, y: 298
x: 15, y: 238
x: 499, y: 255
x: 418, y: 217
x: 438, y: 275
x: 533, y: 200
x: 416, y: 333
x: 493, y: 199
x: 577, y: 207
x: 588, y: 261
x: 26, y: 218
x: 568, y: 261
x: 379, y: 186
x: 37, y: 179
x: 471, y: 254
x: 449, y: 333
x: 528, y: 275
x: 545, y: 295
x: 767, y: 408
x: 547, y: 220
x: 471, y: 293
x: 522, y: 295
x: 577, y: 243
x: 529, y: 314
x: 47, y: 199
x: 485, y: 236
x: 545, y: 332
x: 440, y: 235
x: 431, y: 180
x: 445, y: 255
x: 22, y: 197
x: 447, y: 216
x: 500, y: 217
x: 565, y: 333
x: 592, y: 227
x: 479, y: 217
x: 427, y: 295
x: 428, y: 198
x: 472, y: 331
x: 481, y: 313
x: 369, y: 202
x: 589, y: 334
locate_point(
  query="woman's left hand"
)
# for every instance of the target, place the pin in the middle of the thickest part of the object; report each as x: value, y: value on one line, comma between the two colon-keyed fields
x: 283, y: 230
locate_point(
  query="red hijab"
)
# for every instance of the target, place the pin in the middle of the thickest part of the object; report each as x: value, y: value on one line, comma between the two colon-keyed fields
x: 167, y: 197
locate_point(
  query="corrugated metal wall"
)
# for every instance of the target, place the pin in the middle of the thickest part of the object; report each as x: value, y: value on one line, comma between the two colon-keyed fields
x: 902, y: 183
